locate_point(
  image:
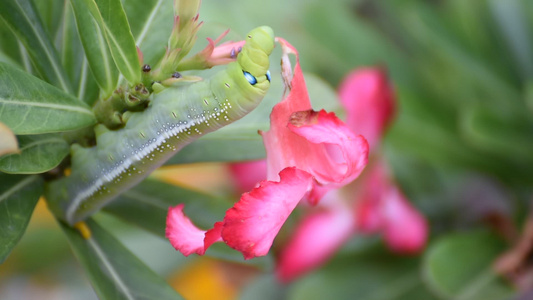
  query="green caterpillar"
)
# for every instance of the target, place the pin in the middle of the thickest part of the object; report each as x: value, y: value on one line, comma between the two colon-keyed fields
x: 176, y: 116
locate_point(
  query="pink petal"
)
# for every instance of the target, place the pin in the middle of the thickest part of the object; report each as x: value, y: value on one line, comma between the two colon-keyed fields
x: 370, y: 102
x: 251, y: 225
x: 347, y: 152
x: 248, y: 174
x: 381, y: 207
x: 182, y: 234
x: 315, y: 240
x: 405, y: 229
x: 318, y: 143
x: 213, y: 235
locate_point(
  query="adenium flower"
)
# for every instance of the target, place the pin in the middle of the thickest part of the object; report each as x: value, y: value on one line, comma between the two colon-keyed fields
x: 308, y: 154
x: 378, y: 207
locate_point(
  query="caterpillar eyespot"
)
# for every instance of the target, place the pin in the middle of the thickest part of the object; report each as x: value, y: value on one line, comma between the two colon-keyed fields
x: 251, y: 79
x: 268, y: 76
x: 176, y: 117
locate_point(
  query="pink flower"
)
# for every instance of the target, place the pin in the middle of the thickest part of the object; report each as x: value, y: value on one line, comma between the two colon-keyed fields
x: 248, y: 174
x: 369, y: 100
x: 378, y: 207
x: 382, y: 207
x: 308, y: 153
x: 316, y: 238
x: 316, y: 142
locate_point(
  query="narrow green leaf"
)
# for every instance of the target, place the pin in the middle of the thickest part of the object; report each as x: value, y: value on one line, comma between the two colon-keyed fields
x: 146, y: 206
x: 506, y: 135
x: 18, y: 196
x: 38, y: 154
x: 70, y: 46
x: 221, y: 147
x: 88, y: 89
x: 51, y: 13
x: 511, y: 18
x: 9, y: 45
x: 151, y: 24
x: 113, y: 270
x: 112, y: 19
x: 152, y: 198
x: 23, y: 19
x: 93, y: 39
x: 458, y: 266
x: 31, y: 106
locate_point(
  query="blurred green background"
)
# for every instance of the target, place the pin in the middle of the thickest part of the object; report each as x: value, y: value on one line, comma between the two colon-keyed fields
x: 461, y: 147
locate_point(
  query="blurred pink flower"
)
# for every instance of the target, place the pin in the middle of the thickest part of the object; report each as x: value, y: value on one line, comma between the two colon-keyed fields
x: 248, y: 174
x: 368, y: 97
x: 308, y: 153
x: 378, y: 207
x: 382, y: 207
x: 324, y: 230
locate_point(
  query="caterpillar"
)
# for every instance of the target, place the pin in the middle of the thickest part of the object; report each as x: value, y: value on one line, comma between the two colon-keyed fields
x: 175, y: 117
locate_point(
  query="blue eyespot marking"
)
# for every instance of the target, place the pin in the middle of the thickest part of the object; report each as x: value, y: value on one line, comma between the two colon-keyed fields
x: 268, y: 76
x: 251, y: 79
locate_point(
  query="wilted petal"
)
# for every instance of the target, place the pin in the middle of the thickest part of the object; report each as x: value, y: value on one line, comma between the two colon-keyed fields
x: 248, y: 174
x: 182, y: 234
x: 369, y: 101
x: 8, y: 141
x: 315, y: 240
x: 251, y: 225
x: 405, y: 229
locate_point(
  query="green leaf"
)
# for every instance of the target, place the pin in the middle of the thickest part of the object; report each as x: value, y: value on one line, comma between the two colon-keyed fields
x: 372, y: 273
x: 113, y: 270
x: 265, y: 287
x: 18, y: 196
x: 51, y: 13
x: 70, y: 46
x: 511, y: 18
x: 88, y: 89
x: 458, y: 266
x: 221, y: 147
x: 146, y: 206
x: 151, y: 23
x: 93, y: 39
x: 112, y: 19
x: 22, y: 18
x: 38, y: 154
x: 31, y: 106
x: 9, y: 46
x: 507, y: 135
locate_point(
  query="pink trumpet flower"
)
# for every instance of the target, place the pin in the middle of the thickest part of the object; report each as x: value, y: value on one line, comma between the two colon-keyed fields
x: 378, y: 207
x: 308, y: 154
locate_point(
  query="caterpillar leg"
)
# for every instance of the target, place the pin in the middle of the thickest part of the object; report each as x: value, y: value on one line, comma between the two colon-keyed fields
x: 83, y: 229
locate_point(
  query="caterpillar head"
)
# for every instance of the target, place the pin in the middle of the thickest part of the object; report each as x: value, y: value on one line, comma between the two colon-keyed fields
x: 253, y: 58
